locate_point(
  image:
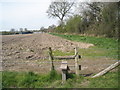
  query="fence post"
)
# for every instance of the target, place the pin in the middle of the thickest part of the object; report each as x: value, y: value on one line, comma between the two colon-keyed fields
x: 76, y: 62
x: 64, y: 67
x: 51, y: 58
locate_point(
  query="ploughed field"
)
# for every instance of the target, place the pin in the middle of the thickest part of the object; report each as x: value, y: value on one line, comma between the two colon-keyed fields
x: 30, y: 53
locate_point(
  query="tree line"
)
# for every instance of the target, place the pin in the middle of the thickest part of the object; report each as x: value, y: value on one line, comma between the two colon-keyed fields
x: 96, y: 18
x: 22, y: 31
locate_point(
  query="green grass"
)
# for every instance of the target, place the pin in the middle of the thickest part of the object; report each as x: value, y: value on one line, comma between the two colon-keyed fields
x: 61, y: 53
x: 29, y: 79
x: 53, y: 79
x: 100, y: 42
x: 110, y: 80
x: 103, y: 47
x: 0, y: 80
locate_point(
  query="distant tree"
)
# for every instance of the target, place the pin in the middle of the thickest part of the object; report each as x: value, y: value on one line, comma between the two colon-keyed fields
x: 60, y: 10
x: 110, y: 19
x: 42, y: 28
x: 52, y: 27
x: 102, y: 18
x: 12, y: 30
x: 21, y: 29
x: 73, y: 25
x: 26, y: 29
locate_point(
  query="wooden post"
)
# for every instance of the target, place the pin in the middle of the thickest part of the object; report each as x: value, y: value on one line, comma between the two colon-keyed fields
x: 51, y: 58
x: 65, y: 69
x: 76, y: 62
x: 64, y: 72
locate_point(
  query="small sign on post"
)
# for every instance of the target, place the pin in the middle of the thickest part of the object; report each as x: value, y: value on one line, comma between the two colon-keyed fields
x: 65, y: 69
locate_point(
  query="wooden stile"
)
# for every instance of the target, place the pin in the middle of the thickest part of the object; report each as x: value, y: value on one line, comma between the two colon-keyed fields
x: 64, y: 67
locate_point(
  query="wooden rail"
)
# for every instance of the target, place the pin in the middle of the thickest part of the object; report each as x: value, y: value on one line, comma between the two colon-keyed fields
x: 107, y: 69
x: 64, y: 57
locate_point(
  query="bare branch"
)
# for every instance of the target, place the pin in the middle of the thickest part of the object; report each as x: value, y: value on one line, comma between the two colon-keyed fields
x: 60, y: 9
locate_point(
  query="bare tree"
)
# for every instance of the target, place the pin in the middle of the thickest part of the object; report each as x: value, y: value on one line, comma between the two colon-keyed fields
x: 60, y: 9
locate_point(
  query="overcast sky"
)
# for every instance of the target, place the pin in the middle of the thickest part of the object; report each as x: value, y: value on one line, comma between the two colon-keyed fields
x: 29, y: 14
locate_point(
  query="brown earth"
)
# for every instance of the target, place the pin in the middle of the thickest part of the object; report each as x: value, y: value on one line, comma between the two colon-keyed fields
x: 29, y: 52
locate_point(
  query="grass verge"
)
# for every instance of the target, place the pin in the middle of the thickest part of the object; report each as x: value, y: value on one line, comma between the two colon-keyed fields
x: 28, y: 80
x: 53, y: 80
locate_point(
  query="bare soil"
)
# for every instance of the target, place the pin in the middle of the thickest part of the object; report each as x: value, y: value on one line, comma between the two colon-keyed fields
x: 29, y: 53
